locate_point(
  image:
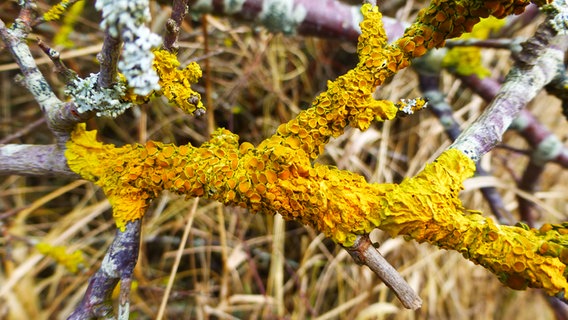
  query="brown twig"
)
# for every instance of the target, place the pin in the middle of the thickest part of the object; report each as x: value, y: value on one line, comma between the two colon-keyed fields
x: 108, y: 59
x: 208, y: 89
x: 55, y: 57
x: 173, y: 25
x: 364, y: 253
x: 529, y: 182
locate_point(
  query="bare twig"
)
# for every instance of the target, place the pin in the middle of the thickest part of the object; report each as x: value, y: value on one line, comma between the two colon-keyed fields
x: 363, y: 252
x: 55, y: 57
x: 529, y: 182
x: 509, y: 44
x: 173, y: 25
x: 22, y: 131
x: 108, y: 58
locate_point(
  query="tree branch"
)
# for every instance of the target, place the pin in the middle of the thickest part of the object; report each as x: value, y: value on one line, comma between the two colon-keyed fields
x: 34, y: 160
x: 521, y: 85
x: 118, y: 265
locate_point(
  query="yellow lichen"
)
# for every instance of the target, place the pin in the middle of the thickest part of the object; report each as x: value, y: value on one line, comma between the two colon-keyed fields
x: 175, y: 83
x: 467, y: 60
x: 55, y: 12
x: 71, y: 261
x: 444, y: 19
x: 348, y: 100
x: 62, y: 36
x: 279, y: 176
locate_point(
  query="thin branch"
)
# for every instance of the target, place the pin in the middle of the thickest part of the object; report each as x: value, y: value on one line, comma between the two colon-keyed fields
x: 508, y: 44
x: 173, y: 25
x: 22, y: 131
x: 364, y: 253
x: 529, y: 182
x: 61, y: 117
x: 108, y: 59
x: 526, y: 123
x: 55, y: 57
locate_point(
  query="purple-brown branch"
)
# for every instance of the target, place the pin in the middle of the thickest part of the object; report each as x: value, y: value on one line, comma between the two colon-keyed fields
x: 325, y: 18
x: 173, y: 25
x: 34, y: 160
x: 528, y: 126
x: 108, y: 59
x: 118, y: 265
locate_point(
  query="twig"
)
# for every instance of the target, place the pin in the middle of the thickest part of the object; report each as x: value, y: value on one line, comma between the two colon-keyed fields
x: 509, y: 44
x: 55, y: 57
x: 363, y: 252
x: 173, y: 25
x: 108, y: 58
x: 61, y: 117
x: 22, y: 131
x: 529, y: 182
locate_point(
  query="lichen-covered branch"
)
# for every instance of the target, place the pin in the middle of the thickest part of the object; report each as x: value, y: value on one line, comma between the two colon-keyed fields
x: 326, y: 19
x: 429, y: 84
x: 278, y: 176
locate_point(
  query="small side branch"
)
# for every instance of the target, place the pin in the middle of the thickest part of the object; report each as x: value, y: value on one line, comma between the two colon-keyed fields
x: 173, y: 25
x: 364, y: 253
x: 108, y: 58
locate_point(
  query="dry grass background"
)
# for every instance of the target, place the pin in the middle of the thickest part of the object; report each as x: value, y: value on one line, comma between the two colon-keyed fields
x: 236, y: 265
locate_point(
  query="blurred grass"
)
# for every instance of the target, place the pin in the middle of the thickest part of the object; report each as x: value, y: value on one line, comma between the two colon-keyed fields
x: 242, y: 266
